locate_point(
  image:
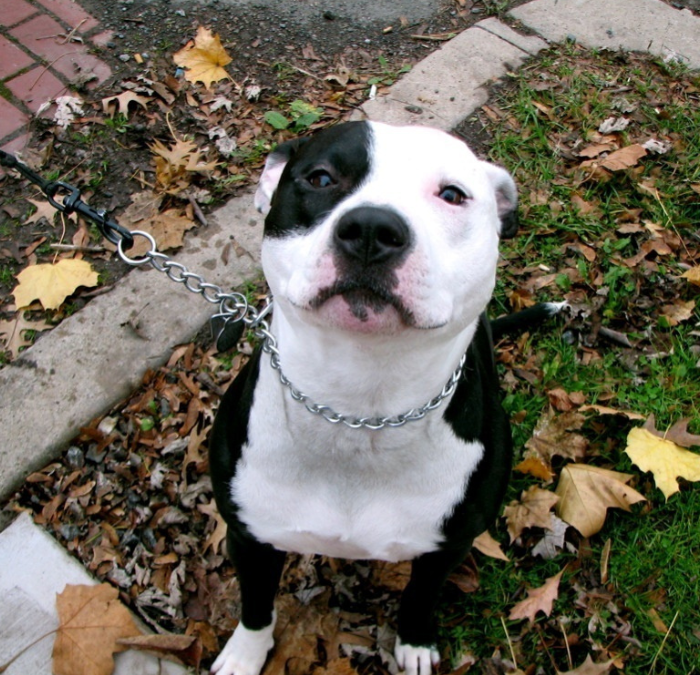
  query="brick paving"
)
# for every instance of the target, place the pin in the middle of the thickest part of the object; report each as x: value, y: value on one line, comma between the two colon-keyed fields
x: 47, y: 47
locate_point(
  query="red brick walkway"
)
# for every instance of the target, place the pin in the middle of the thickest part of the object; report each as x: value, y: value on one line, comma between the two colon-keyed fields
x: 45, y: 48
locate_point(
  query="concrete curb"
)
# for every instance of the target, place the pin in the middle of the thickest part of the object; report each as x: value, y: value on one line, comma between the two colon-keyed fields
x: 92, y: 360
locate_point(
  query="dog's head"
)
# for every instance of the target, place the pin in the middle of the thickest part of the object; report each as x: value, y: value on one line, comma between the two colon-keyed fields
x: 377, y: 229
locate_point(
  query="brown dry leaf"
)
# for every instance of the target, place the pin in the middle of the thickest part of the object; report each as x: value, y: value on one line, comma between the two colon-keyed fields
x: 52, y: 284
x: 677, y: 434
x: 554, y: 435
x: 167, y: 228
x: 393, y: 576
x: 692, y: 275
x: 564, y: 401
x: 185, y: 649
x: 678, y: 312
x: 533, y: 464
x: 92, y: 619
x: 175, y: 162
x: 487, y: 545
x: 340, y: 666
x: 666, y: 460
x: 533, y: 510
x: 538, y: 600
x: 466, y: 576
x: 120, y: 104
x: 204, y: 59
x: 623, y: 158
x: 219, y: 533
x: 43, y: 210
x: 590, y: 668
x: 587, y: 492
x: 605, y: 410
x: 12, y: 332
x: 591, y: 151
x: 144, y: 206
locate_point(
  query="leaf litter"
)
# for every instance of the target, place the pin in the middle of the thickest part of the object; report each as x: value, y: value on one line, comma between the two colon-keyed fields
x: 131, y: 497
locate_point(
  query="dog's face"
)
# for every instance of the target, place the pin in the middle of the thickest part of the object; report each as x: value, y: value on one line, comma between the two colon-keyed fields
x: 379, y: 229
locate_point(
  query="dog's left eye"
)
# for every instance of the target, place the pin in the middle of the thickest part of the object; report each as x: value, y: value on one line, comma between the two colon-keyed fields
x: 452, y: 195
x: 320, y: 179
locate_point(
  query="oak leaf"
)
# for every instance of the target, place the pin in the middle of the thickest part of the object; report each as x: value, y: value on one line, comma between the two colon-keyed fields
x: 51, y: 284
x: 91, y: 620
x: 204, y: 59
x: 174, y: 163
x: 12, y: 332
x: 677, y: 434
x: 538, y: 600
x: 120, y: 103
x: 666, y: 460
x: 533, y: 510
x: 587, y: 492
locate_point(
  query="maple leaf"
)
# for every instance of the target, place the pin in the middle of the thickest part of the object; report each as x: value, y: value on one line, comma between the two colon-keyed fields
x: 43, y: 210
x: 115, y: 104
x: 553, y: 435
x: 12, y: 332
x: 590, y: 668
x: 204, y: 59
x: 91, y: 620
x: 587, y: 492
x: 51, y: 284
x: 666, y: 460
x: 167, y: 228
x: 533, y: 510
x: 538, y: 600
x: 186, y: 649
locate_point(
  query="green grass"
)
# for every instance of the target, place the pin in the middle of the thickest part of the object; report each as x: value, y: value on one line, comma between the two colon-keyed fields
x: 549, y: 111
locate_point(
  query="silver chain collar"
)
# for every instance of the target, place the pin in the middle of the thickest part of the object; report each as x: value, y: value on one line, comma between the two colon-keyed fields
x: 235, y: 307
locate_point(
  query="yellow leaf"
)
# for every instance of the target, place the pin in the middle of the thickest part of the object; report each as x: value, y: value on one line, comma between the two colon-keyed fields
x: 204, y: 59
x: 52, y: 284
x: 666, y: 460
x: 587, y: 492
x: 91, y: 620
x: 693, y: 275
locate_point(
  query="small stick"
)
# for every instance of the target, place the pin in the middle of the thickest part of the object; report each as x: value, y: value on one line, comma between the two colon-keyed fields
x: 80, y: 249
x: 663, y: 642
x: 197, y: 211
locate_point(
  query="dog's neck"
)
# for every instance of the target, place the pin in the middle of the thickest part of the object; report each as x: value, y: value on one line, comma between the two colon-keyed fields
x: 379, y: 372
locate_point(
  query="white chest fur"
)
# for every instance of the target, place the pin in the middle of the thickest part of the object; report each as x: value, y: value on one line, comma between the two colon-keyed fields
x: 308, y: 486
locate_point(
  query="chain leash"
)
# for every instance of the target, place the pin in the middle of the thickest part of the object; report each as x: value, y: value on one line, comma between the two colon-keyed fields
x: 233, y: 306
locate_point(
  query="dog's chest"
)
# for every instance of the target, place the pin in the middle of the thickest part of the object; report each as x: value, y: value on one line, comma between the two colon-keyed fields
x: 312, y: 487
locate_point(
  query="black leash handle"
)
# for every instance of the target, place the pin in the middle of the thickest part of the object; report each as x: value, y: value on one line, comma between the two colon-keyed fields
x: 71, y: 202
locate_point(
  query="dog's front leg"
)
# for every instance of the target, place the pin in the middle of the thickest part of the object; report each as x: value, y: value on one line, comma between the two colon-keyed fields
x: 416, y: 643
x: 258, y: 567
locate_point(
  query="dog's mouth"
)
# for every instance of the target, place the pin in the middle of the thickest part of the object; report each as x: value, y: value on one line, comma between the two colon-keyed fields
x: 365, y: 302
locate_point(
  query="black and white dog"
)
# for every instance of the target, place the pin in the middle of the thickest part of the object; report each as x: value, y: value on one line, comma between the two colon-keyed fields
x: 380, y: 249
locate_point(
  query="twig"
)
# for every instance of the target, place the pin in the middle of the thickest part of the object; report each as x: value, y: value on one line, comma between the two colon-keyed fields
x: 441, y: 37
x: 663, y: 642
x: 79, y: 249
x: 5, y: 666
x: 566, y: 642
x: 197, y: 210
x: 510, y: 644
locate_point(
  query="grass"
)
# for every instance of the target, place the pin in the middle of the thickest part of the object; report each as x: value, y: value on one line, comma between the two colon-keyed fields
x: 587, y: 229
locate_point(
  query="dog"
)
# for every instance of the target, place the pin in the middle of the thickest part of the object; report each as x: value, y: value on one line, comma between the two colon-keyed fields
x: 378, y: 432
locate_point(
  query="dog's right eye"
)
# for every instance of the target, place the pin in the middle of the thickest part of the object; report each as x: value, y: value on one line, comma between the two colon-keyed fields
x: 320, y: 179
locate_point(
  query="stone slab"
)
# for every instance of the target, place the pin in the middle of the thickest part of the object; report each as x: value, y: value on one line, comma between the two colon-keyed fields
x: 450, y: 84
x: 633, y: 25
x: 98, y: 356
x: 34, y: 569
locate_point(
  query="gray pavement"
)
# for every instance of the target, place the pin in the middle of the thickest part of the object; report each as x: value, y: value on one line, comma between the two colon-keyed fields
x: 97, y: 357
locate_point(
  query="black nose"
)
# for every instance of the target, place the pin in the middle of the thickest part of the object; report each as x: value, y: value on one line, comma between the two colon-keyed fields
x: 371, y: 235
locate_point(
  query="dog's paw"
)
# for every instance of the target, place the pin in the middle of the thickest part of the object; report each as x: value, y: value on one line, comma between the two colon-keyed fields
x: 416, y: 660
x: 245, y: 652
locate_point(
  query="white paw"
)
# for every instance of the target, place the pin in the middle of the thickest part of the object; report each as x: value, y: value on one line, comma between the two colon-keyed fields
x: 246, y: 651
x: 416, y: 660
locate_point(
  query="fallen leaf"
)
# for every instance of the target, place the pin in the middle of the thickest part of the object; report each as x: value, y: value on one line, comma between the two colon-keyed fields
x: 554, y: 435
x: 218, y: 534
x: 51, y: 284
x: 535, y: 466
x: 623, y: 158
x: 487, y: 545
x: 677, y: 434
x: 204, y: 59
x: 666, y: 460
x: 167, y: 228
x: 120, y: 104
x: 174, y: 163
x: 533, y: 510
x: 185, y: 649
x: 591, y: 151
x: 678, y: 312
x: 466, y: 576
x: 692, y: 275
x: 91, y: 620
x: 587, y: 492
x: 538, y: 600
x: 590, y: 668
x: 12, y: 332
x: 605, y: 410
x: 44, y: 210
x: 553, y: 541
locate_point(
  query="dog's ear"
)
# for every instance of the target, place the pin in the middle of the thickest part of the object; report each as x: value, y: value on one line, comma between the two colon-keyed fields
x: 274, y: 166
x: 506, y: 199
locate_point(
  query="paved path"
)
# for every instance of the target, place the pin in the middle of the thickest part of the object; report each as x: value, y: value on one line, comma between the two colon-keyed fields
x: 44, y: 51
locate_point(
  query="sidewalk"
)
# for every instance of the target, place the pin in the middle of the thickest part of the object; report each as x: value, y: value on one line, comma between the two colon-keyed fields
x: 44, y: 52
